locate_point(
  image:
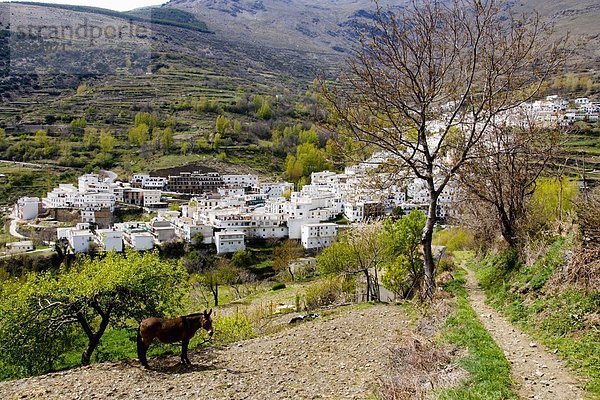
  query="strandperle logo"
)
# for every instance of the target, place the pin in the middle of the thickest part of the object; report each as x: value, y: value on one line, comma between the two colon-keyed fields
x: 84, y: 31
x: 51, y: 41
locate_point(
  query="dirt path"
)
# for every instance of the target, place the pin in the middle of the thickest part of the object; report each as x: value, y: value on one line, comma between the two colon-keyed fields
x: 338, y: 358
x: 537, y: 373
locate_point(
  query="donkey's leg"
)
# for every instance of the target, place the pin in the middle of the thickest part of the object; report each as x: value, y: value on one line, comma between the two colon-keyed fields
x: 184, y: 349
x: 142, y: 348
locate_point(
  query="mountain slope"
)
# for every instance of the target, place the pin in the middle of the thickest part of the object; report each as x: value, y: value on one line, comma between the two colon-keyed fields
x: 325, y: 25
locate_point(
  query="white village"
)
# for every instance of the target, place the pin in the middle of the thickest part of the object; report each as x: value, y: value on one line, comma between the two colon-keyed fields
x: 229, y: 210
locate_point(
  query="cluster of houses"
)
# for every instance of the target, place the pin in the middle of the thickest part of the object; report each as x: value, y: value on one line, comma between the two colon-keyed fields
x: 556, y: 110
x: 227, y: 210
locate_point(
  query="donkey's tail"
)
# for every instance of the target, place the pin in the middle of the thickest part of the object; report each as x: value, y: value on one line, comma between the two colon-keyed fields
x: 141, y: 348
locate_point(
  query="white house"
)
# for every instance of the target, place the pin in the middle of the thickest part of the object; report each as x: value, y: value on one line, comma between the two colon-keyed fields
x: 163, y: 230
x: 229, y: 241
x: 110, y: 239
x: 276, y: 189
x: 79, y: 240
x: 240, y: 180
x: 140, y: 240
x: 19, y: 247
x: 148, y: 182
x: 187, y: 228
x: 28, y: 208
x: 318, y: 236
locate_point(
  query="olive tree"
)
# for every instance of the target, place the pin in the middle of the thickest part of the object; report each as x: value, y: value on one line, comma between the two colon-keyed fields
x: 428, y: 80
x: 89, y: 296
x: 360, y: 250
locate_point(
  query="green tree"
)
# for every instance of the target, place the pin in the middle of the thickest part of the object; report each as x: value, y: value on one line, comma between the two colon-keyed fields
x: 2, y: 137
x: 216, y: 141
x: 184, y: 149
x: 358, y: 250
x: 237, y: 127
x: 90, y: 138
x: 404, y: 272
x: 264, y: 112
x: 90, y: 296
x: 144, y: 118
x: 309, y: 136
x: 222, y: 124
x: 139, y: 134
x: 107, y: 142
x: 242, y: 259
x: 308, y: 159
x: 41, y: 139
x: 167, y: 139
x: 78, y: 125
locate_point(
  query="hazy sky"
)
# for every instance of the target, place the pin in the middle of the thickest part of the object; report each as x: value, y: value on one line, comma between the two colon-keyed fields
x: 120, y: 5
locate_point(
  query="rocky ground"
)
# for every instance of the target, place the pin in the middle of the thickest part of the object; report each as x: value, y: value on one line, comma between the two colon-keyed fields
x: 537, y: 373
x: 336, y: 357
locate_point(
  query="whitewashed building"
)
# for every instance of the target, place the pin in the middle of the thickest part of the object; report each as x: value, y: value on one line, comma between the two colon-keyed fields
x: 240, y: 180
x: 140, y: 240
x: 229, y: 241
x: 28, y: 208
x: 110, y: 239
x: 79, y: 238
x: 318, y: 236
x: 19, y: 247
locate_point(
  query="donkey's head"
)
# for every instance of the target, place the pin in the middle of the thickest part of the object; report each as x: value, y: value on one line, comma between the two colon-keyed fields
x: 207, y: 322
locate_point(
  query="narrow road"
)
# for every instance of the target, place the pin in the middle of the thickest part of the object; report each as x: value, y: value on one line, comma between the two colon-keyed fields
x: 537, y: 373
x: 13, y: 229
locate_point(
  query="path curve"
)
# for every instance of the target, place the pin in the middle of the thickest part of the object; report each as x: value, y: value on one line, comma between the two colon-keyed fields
x: 338, y: 358
x: 537, y: 373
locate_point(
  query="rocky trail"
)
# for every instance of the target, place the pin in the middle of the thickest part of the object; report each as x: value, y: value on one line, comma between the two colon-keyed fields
x: 538, y: 373
x: 337, y: 357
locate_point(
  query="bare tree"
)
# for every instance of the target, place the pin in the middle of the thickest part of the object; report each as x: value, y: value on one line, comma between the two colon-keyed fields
x: 284, y: 255
x: 508, y: 162
x: 428, y: 81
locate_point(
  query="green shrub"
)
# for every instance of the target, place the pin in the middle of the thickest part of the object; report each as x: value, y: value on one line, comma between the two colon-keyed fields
x: 455, y: 238
x: 278, y: 286
x: 328, y: 291
x: 232, y: 328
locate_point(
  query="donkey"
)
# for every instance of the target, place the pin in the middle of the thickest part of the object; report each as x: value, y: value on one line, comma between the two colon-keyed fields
x: 180, y: 329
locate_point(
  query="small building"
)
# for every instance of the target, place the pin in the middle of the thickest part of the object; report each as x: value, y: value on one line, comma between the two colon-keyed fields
x: 19, y: 247
x: 80, y: 240
x: 318, y: 236
x: 110, y: 239
x: 162, y: 230
x: 141, y: 240
x: 28, y: 208
x: 229, y: 241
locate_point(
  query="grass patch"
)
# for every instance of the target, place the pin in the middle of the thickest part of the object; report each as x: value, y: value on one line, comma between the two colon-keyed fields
x: 564, y: 320
x: 488, y: 368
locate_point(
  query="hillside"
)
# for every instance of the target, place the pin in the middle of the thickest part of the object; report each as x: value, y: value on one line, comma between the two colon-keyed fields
x: 339, y: 357
x: 194, y: 60
x: 325, y: 25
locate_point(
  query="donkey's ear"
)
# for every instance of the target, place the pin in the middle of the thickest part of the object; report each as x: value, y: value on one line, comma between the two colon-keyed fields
x: 204, y: 312
x: 210, y: 312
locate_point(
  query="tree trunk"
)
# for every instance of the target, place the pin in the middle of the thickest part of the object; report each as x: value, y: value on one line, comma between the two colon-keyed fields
x: 429, y: 266
x: 94, y: 340
x: 215, y: 293
x: 508, y: 230
x: 376, y: 291
x: 366, y: 271
x: 291, y: 273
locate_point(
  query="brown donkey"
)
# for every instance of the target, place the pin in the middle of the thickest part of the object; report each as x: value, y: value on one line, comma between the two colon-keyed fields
x: 180, y: 329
